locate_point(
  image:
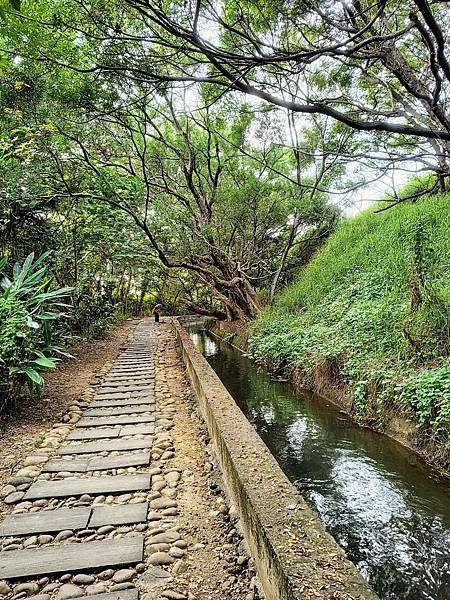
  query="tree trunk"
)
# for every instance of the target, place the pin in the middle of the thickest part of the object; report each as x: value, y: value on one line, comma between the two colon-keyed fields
x: 144, y: 288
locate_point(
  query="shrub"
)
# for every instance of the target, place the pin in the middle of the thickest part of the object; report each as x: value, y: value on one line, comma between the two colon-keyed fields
x: 28, y: 307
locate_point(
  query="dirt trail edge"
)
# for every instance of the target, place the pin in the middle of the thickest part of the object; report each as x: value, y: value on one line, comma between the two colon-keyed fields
x: 120, y: 500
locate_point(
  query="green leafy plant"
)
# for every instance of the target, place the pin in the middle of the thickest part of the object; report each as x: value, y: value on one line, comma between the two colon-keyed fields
x: 28, y: 307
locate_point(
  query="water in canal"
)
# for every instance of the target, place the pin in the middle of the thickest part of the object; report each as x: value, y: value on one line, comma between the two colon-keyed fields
x: 386, y: 508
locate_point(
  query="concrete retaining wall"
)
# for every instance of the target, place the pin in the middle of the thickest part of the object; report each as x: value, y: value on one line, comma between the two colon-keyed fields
x: 294, y: 556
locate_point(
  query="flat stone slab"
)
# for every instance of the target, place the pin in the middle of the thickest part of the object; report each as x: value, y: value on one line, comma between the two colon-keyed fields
x: 46, y: 521
x: 55, y: 465
x: 113, y: 380
x: 127, y: 594
x: 124, y: 387
x: 140, y: 394
x: 124, y: 514
x: 118, y: 402
x: 145, y: 429
x: 127, y: 368
x: 67, y: 558
x: 109, y: 484
x: 121, y: 461
x: 94, y: 434
x: 113, y: 395
x: 119, y: 410
x: 105, y: 446
x: 132, y: 364
x: 112, y: 432
x: 126, y: 420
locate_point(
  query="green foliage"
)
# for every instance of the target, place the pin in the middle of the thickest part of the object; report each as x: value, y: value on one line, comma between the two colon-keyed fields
x: 373, y: 305
x: 28, y: 306
x: 427, y: 394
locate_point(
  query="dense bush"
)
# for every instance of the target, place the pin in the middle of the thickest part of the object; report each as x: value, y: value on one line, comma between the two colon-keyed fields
x: 93, y: 311
x: 375, y: 304
x: 28, y: 306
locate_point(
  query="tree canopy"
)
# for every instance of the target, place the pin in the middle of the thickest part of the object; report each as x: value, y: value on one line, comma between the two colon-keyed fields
x: 215, y: 132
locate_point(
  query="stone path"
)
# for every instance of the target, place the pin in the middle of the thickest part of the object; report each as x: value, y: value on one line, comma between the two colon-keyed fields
x: 93, y: 503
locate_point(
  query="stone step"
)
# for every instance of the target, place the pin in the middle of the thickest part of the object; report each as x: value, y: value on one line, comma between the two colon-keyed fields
x: 113, y: 396
x: 68, y: 558
x: 94, y: 433
x: 127, y: 594
x: 104, y: 446
x: 117, y: 379
x: 123, y: 387
x: 126, y: 420
x: 121, y: 370
x: 104, y: 411
x: 73, y: 518
x: 121, y: 461
x: 46, y: 521
x: 119, y: 514
x: 110, y: 484
x: 134, y: 363
x: 109, y: 403
x: 55, y: 465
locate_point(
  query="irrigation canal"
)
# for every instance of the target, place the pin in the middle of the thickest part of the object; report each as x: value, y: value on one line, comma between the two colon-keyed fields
x: 383, y: 505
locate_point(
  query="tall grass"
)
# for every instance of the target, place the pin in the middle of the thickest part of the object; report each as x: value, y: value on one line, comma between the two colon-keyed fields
x: 382, y: 244
x: 375, y: 303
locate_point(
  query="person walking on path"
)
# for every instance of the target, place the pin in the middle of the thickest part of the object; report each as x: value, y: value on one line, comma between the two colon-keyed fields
x: 156, y: 310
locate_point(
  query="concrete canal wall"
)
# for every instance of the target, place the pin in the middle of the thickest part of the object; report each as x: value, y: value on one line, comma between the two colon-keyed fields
x: 294, y: 555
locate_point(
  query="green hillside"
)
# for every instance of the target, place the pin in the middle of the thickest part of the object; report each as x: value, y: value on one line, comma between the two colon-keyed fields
x: 368, y: 319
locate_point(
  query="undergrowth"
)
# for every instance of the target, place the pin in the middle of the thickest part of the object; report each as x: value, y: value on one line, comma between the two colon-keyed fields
x: 375, y: 304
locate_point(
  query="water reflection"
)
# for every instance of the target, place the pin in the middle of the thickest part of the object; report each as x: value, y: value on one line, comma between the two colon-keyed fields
x: 381, y: 504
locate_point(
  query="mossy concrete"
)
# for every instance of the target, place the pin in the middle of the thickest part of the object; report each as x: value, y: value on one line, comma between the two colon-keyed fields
x: 294, y: 555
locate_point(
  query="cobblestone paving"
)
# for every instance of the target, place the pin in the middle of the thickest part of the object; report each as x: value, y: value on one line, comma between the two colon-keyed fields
x: 95, y: 510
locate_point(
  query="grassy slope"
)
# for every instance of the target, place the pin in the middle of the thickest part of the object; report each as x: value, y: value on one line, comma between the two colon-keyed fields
x: 371, y: 311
